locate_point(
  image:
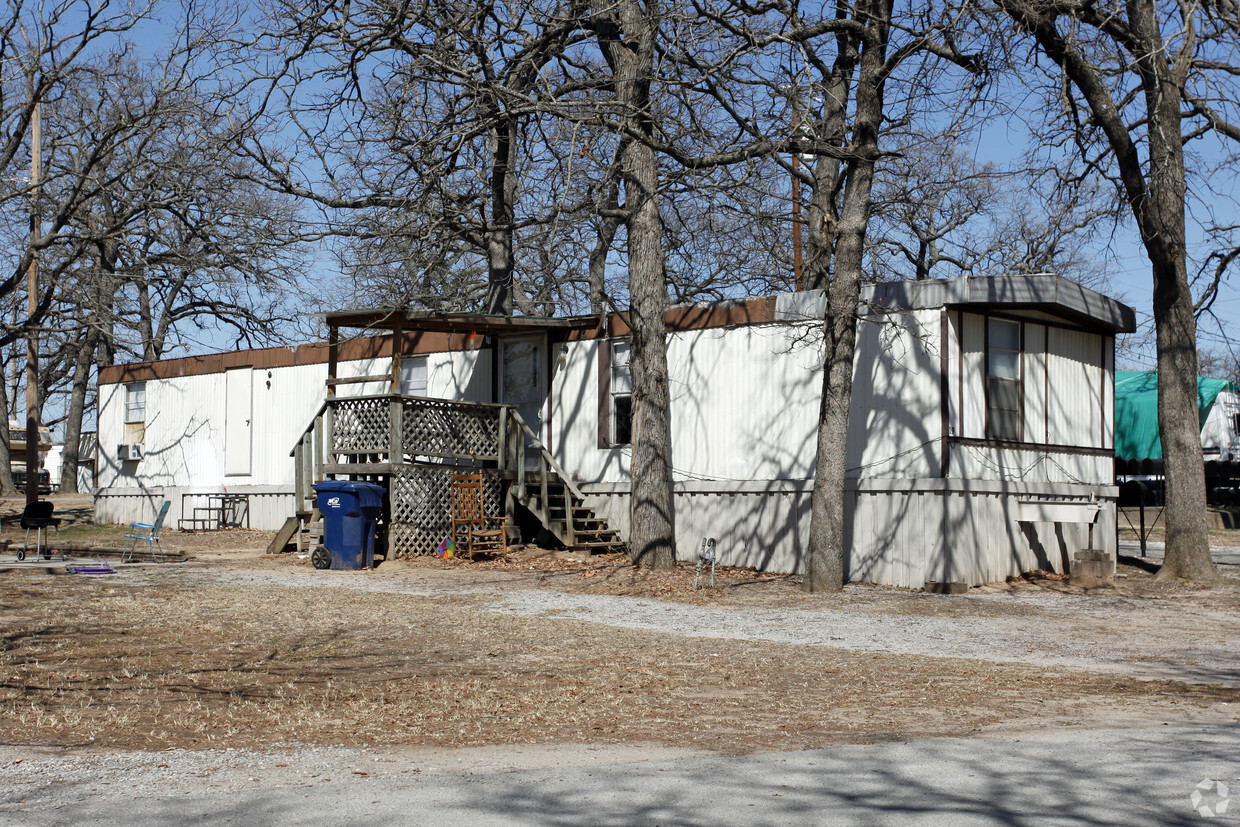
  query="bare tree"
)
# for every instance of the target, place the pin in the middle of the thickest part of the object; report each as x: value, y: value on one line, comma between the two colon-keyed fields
x: 626, y: 32
x: 1126, y: 88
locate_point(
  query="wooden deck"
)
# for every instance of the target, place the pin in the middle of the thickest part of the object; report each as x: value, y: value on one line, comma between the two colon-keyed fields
x: 412, y: 445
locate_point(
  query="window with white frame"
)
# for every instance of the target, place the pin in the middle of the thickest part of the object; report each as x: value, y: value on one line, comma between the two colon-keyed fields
x: 1003, y: 397
x: 413, y: 375
x: 135, y: 402
x: 621, y: 394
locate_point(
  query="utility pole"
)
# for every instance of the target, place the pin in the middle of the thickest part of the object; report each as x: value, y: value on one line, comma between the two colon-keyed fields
x: 32, y: 307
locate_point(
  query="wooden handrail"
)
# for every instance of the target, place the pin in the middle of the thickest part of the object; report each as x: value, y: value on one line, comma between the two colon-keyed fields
x: 544, y: 455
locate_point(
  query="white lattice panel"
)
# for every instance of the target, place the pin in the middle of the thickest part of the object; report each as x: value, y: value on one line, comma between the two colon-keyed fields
x: 360, y: 426
x: 421, y: 506
x: 441, y: 428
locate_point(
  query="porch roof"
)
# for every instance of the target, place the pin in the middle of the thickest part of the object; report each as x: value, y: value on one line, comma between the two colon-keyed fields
x: 389, y: 318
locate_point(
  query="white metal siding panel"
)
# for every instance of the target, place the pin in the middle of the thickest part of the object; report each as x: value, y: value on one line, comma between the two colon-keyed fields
x: 284, y: 404
x: 975, y: 462
x: 972, y: 380
x: 953, y: 374
x: 1034, y: 385
x: 186, y: 416
x: 895, y: 419
x: 464, y: 375
x: 574, y: 418
x: 1074, y: 403
x: 1108, y: 392
x: 744, y: 402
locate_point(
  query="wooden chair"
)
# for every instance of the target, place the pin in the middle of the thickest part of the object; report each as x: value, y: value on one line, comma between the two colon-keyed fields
x: 470, y: 520
x: 148, y: 533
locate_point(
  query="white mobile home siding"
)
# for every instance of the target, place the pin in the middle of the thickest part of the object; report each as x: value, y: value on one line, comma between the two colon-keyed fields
x: 186, y: 432
x: 744, y: 413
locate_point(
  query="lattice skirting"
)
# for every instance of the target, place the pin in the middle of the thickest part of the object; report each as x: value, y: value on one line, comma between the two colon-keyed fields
x: 422, y: 506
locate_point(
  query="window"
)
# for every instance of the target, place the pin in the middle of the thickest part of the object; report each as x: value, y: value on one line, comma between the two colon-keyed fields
x: 413, y: 375
x: 135, y: 402
x: 621, y: 394
x: 1003, y: 408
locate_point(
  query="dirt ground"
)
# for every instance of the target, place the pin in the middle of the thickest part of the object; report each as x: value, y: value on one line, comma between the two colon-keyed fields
x: 166, y: 656
x: 178, y: 656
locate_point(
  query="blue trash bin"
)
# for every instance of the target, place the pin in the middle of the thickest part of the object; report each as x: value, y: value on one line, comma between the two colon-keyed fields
x: 350, y: 511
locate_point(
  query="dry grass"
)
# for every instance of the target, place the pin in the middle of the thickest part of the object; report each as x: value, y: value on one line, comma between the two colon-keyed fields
x: 103, y: 663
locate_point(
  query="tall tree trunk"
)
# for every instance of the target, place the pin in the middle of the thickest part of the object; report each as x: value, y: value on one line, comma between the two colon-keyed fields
x: 1163, y: 234
x: 500, y: 262
x: 77, y: 408
x: 598, y: 255
x: 7, y: 487
x: 824, y: 561
x: 823, y: 214
x: 1155, y: 193
x: 627, y: 40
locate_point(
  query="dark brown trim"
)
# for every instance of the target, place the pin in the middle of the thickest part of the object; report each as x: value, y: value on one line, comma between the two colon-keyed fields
x: 415, y: 343
x: 960, y: 370
x: 944, y: 390
x: 985, y: 376
x: 333, y: 359
x: 429, y: 333
x: 1028, y: 446
x: 604, y: 393
x: 1020, y: 380
x: 1017, y: 317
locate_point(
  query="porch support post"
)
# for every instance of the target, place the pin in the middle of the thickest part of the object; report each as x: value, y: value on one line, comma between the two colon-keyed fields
x: 316, y: 465
x: 333, y: 357
x: 396, y: 450
x: 501, y: 442
x: 396, y: 436
x: 299, y: 478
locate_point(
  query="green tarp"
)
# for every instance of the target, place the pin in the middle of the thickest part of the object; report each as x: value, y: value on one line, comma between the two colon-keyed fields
x: 1136, y: 411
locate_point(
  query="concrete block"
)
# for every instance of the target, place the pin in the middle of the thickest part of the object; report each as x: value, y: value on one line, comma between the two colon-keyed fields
x: 1092, y: 569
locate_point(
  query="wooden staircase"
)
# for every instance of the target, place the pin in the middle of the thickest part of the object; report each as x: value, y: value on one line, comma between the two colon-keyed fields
x: 393, y: 430
x: 565, y: 514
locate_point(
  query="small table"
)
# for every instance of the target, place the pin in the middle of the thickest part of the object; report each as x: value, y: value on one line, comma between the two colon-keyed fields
x: 221, y: 511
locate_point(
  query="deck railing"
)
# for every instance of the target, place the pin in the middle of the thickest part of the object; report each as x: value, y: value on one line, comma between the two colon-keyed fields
x: 382, y: 431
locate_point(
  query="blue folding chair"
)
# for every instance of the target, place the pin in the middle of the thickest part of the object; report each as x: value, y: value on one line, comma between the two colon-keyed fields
x: 148, y: 533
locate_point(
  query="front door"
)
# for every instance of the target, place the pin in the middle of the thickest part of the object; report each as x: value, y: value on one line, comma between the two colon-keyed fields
x: 238, y: 413
x: 523, y: 378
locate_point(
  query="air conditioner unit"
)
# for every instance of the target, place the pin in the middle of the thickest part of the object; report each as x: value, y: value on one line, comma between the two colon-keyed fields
x: 130, y: 451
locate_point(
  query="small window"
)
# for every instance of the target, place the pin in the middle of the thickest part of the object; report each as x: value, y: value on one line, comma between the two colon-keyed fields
x: 621, y: 394
x: 1003, y: 404
x: 413, y: 375
x: 135, y: 402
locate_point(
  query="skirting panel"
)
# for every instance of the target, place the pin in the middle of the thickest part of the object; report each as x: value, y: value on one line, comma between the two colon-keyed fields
x: 269, y: 506
x: 897, y: 535
x: 421, y: 506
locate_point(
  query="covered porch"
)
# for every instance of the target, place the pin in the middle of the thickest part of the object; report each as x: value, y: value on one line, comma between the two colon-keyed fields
x: 413, y: 444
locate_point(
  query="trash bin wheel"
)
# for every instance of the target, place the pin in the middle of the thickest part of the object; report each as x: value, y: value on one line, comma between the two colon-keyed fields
x: 320, y: 558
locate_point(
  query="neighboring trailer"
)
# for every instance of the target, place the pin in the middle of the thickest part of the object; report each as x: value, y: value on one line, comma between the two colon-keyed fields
x: 980, y: 437
x: 1136, y: 416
